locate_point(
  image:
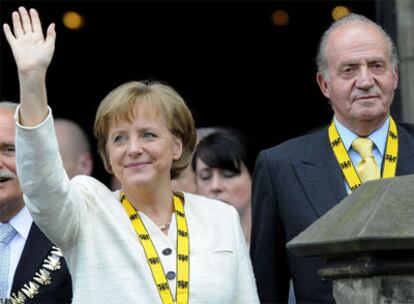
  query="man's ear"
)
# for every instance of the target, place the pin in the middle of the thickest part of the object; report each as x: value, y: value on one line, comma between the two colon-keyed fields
x: 323, y: 84
x: 85, y: 164
x: 396, y: 77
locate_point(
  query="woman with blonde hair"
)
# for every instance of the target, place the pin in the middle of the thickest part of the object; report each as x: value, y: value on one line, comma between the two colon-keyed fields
x: 143, y: 243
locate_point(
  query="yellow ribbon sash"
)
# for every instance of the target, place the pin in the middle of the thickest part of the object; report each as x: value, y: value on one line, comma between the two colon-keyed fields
x: 183, y: 252
x: 344, y: 161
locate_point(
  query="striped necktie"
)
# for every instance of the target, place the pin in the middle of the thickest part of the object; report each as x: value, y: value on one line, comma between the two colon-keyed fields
x: 7, y: 233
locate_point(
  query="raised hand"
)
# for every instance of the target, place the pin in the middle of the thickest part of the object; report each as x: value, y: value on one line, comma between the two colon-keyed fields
x: 31, y: 51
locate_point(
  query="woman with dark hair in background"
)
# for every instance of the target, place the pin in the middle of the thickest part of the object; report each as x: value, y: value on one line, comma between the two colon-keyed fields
x: 223, y: 167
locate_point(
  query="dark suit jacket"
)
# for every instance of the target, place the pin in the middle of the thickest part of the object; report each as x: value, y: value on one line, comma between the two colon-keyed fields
x: 36, y: 249
x: 294, y: 184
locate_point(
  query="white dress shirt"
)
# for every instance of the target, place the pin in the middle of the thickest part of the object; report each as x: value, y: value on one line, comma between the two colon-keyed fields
x: 21, y: 222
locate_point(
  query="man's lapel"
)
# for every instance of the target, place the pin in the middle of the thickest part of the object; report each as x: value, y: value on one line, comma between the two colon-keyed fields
x: 405, y: 164
x: 35, y: 251
x: 321, y: 176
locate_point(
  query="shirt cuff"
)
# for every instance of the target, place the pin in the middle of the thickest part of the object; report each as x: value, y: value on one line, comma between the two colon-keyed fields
x: 17, y: 119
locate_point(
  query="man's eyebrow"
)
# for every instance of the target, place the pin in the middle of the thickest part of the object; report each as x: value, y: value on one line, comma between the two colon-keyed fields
x: 6, y: 144
x: 349, y: 62
x: 355, y: 61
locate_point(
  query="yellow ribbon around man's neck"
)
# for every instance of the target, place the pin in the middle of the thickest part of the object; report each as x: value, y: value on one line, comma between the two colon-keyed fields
x: 344, y: 161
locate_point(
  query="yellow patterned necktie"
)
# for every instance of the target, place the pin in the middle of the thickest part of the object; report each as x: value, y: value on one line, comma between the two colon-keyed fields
x: 367, y: 168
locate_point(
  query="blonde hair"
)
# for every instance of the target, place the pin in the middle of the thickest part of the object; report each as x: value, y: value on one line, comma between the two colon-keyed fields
x: 157, y: 99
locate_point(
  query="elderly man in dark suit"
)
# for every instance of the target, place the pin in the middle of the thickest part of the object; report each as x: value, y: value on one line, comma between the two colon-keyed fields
x: 32, y: 270
x: 298, y: 181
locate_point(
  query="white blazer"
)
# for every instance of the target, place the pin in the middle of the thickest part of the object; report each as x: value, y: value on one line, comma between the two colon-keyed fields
x: 106, y: 261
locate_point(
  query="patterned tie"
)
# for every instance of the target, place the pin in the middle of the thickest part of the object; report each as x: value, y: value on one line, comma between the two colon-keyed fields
x: 7, y: 233
x: 367, y: 168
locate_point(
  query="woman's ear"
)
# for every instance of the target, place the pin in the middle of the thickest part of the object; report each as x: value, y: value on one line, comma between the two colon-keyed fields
x: 177, y: 147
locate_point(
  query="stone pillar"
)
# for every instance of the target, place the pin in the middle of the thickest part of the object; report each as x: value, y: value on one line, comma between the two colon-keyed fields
x: 372, y: 277
x: 367, y: 243
x: 405, y: 33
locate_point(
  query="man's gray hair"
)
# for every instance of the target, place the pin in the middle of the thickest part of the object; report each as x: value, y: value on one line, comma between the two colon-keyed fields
x: 8, y: 105
x: 321, y: 60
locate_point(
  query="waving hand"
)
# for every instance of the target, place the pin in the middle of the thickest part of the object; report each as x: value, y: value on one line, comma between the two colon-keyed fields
x: 30, y: 49
x: 33, y: 54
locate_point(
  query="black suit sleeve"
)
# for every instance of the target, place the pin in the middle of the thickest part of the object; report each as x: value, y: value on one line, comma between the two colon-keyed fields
x: 267, y: 249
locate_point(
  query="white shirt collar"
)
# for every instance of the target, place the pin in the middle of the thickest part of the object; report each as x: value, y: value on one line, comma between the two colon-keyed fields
x: 22, y: 222
x: 379, y: 136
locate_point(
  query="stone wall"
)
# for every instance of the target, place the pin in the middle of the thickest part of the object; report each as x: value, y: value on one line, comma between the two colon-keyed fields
x: 405, y: 33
